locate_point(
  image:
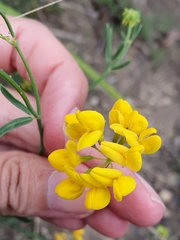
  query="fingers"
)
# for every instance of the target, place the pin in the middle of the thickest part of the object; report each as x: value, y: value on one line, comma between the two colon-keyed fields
x: 107, y: 223
x: 27, y: 185
x: 142, y: 207
x: 60, y: 82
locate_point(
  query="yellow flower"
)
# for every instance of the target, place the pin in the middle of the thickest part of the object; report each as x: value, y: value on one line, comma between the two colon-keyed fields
x: 119, y: 112
x: 85, y: 127
x: 78, y: 234
x: 122, y: 117
x: 123, y: 186
x: 71, y: 187
x: 147, y: 139
x: 62, y: 157
x: 130, y: 17
x: 97, y: 198
x: 60, y: 236
x: 130, y: 157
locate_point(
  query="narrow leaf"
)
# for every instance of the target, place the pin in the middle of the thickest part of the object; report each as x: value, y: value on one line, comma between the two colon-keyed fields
x: 14, y: 124
x: 109, y: 33
x: 117, y: 53
x: 121, y: 65
x: 136, y: 31
x: 14, y: 101
x: 123, y: 35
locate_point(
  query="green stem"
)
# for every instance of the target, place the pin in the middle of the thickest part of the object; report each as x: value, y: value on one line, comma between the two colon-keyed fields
x: 7, y: 23
x: 122, y: 141
x: 20, y: 91
x: 92, y: 85
x: 36, y: 95
x: 35, y: 91
x: 127, y: 44
x: 115, y: 138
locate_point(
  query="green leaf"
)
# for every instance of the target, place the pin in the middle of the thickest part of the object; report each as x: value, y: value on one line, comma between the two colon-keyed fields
x: 123, y: 35
x: 8, y: 10
x: 136, y: 30
x: 13, y: 100
x: 14, y: 124
x: 109, y: 33
x: 121, y: 65
x: 117, y: 53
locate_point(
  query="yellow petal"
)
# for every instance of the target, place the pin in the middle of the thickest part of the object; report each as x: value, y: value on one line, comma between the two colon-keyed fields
x: 75, y: 131
x: 88, y: 139
x: 68, y: 189
x: 97, y: 198
x: 139, y: 148
x: 78, y: 234
x: 122, y: 106
x: 88, y: 181
x: 91, y: 120
x: 131, y: 138
x: 123, y: 186
x: 72, y: 155
x: 70, y: 171
x: 116, y: 117
x: 70, y: 119
x: 105, y: 175
x: 133, y: 161
x: 58, y: 159
x: 115, y: 153
x: 119, y: 129
x: 146, y: 133
x: 151, y: 144
x: 137, y: 123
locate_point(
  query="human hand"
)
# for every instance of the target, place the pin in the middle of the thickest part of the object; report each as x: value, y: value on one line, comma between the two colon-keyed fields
x: 27, y: 180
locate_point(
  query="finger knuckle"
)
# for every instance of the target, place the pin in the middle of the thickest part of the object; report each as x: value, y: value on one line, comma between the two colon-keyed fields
x: 12, y: 194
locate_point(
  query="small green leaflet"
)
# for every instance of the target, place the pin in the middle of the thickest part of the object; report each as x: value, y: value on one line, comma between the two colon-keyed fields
x: 109, y: 33
x: 13, y: 100
x: 14, y: 124
x: 121, y: 65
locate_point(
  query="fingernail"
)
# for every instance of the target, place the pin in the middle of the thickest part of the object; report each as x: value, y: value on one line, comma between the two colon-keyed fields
x: 72, y: 207
x: 154, y: 196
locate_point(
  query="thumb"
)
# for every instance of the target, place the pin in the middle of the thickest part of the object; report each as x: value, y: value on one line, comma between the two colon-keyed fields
x: 27, y: 184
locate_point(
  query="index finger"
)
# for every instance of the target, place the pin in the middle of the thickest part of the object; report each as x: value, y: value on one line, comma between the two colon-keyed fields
x: 61, y: 84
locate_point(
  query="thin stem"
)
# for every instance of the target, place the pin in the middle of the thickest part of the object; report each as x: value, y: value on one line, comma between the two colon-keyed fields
x: 36, y: 95
x: 122, y: 141
x: 127, y: 44
x: 7, y: 23
x: 115, y: 138
x: 94, y: 146
x: 103, y: 75
x: 35, y: 91
x: 20, y: 91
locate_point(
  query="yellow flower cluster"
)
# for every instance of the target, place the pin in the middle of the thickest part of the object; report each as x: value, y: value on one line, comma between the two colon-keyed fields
x: 85, y: 129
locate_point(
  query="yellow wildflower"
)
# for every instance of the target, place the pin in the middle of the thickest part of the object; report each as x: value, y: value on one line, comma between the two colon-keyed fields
x: 122, y: 117
x: 85, y: 127
x: 61, y: 157
x: 124, y: 156
x: 130, y: 17
x: 147, y: 139
x: 122, y: 185
x: 78, y: 234
x: 60, y: 236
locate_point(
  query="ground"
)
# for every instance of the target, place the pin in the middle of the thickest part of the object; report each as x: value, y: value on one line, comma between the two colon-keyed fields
x: 151, y: 83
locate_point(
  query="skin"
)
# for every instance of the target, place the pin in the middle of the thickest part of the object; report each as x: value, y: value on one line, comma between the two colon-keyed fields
x: 24, y: 176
